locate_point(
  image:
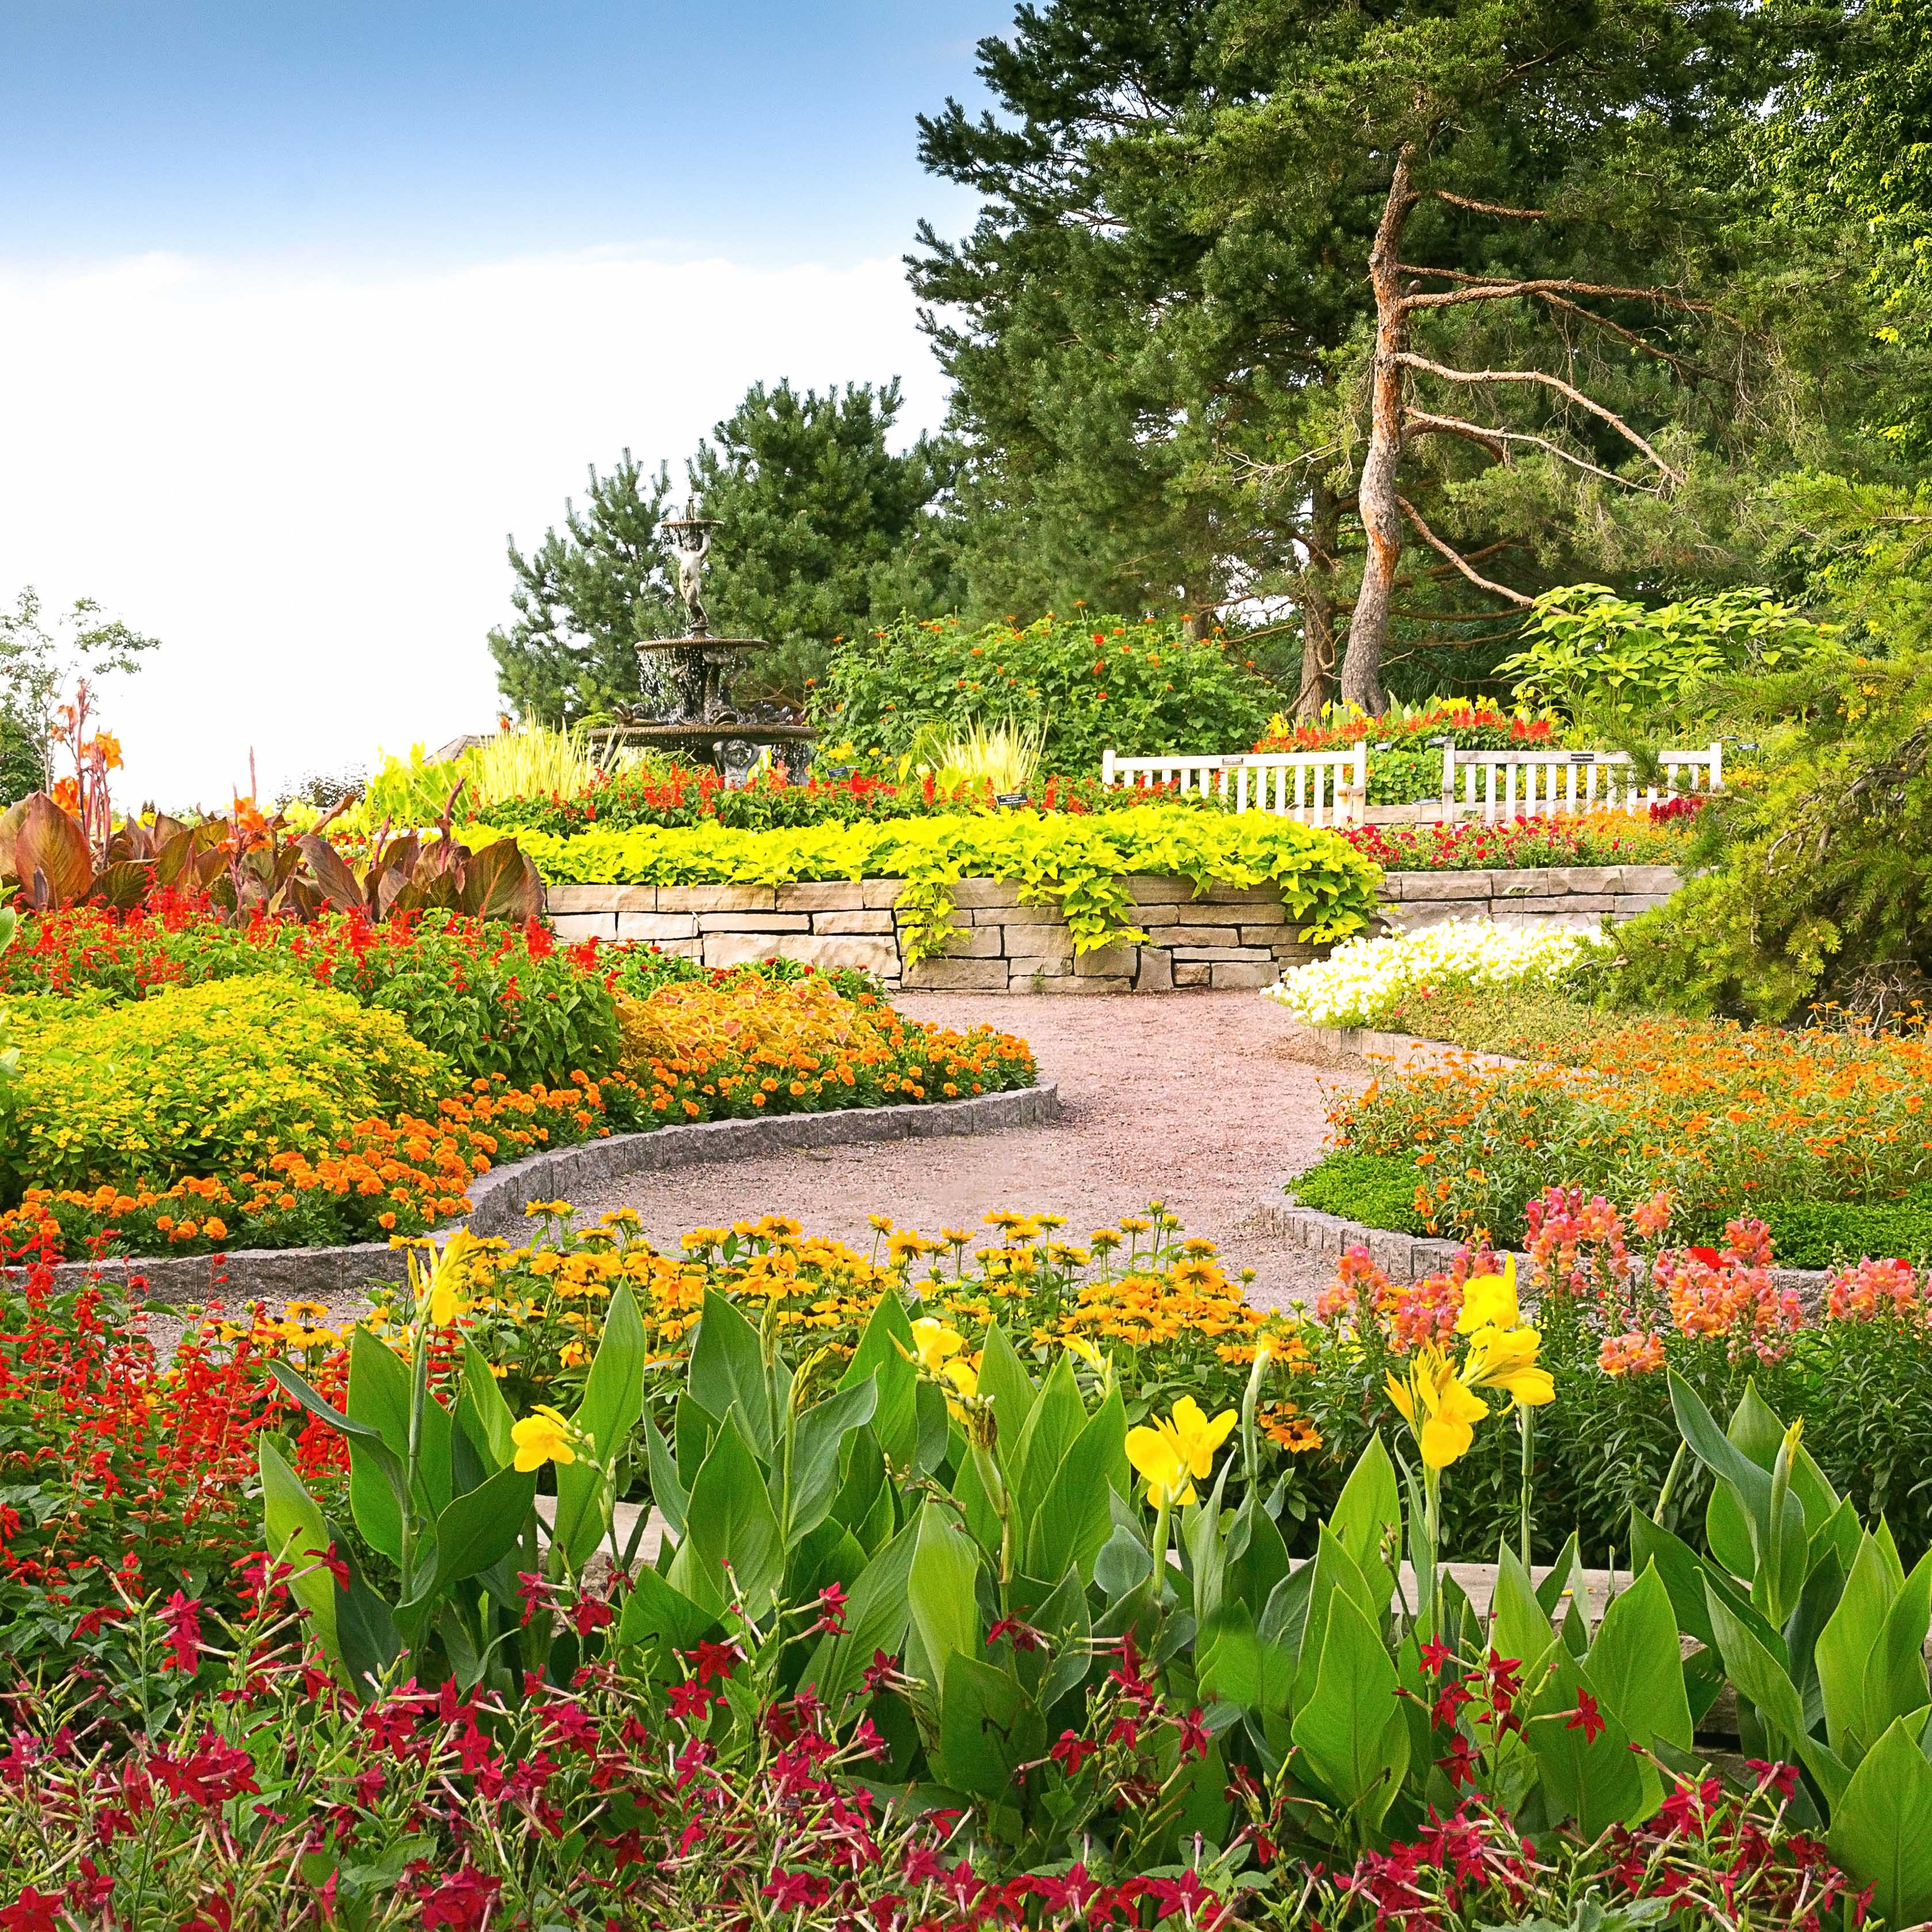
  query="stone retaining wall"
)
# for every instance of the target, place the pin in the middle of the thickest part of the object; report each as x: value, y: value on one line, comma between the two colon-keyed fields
x: 1231, y: 936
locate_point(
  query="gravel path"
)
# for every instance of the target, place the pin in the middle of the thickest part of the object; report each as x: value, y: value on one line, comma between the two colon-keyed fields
x: 1189, y: 1098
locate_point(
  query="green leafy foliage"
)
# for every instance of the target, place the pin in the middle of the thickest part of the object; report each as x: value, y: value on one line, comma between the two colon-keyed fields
x: 1085, y: 684
x: 202, y: 1080
x: 1079, y: 863
x: 1587, y: 651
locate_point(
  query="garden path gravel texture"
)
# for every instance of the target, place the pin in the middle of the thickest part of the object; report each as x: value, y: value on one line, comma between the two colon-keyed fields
x: 1189, y: 1098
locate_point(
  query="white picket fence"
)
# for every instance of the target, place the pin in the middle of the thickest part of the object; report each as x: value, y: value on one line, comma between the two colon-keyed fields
x: 1332, y: 787
x: 1550, y: 783
x: 1315, y: 787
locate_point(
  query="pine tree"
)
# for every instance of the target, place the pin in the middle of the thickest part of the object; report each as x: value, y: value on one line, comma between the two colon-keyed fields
x: 585, y: 596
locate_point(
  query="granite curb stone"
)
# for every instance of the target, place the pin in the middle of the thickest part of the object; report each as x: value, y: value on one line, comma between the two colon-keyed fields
x: 499, y: 1197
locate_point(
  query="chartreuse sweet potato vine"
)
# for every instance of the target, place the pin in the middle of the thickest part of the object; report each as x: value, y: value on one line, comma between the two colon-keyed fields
x: 1081, y: 865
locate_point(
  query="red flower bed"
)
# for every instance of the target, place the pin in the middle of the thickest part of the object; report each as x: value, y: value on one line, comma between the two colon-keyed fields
x: 121, y: 1475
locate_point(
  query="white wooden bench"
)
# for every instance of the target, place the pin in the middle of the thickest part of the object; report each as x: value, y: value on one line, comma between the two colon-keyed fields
x: 1546, y: 784
x: 1313, y: 788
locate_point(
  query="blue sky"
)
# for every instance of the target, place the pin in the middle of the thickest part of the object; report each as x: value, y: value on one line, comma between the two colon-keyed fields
x: 320, y: 303
x: 753, y: 127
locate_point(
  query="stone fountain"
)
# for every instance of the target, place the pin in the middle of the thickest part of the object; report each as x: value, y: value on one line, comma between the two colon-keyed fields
x: 687, y: 707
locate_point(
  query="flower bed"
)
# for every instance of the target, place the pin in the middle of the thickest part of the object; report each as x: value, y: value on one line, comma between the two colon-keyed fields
x: 193, y: 1086
x: 1363, y: 982
x: 1080, y: 864
x: 1728, y: 1120
x: 1656, y: 838
x: 1026, y: 1577
x: 632, y: 796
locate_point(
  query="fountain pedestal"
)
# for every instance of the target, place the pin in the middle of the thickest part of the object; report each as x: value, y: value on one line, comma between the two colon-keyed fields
x: 687, y: 679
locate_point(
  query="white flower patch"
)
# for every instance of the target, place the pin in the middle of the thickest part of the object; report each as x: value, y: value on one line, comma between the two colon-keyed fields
x: 1363, y: 980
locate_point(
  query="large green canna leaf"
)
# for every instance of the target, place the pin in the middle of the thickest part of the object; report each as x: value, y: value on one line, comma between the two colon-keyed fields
x: 940, y: 1589
x: 1005, y: 1383
x: 295, y: 1534
x: 1637, y: 1669
x: 1058, y: 1417
x: 730, y: 1520
x: 727, y: 1370
x: 1761, y: 1679
x: 1351, y: 1731
x: 818, y: 1436
x: 481, y: 1527
x: 883, y: 1352
x: 1844, y: 1651
x: 987, y: 1728
x: 1882, y: 1825
x: 1368, y: 1512
x: 1871, y: 1654
x: 1594, y: 1779
x: 877, y: 1613
x: 654, y: 1612
x: 485, y: 1396
x: 1074, y: 1520
x: 613, y: 1399
x: 1519, y: 1628
x: 1333, y: 1572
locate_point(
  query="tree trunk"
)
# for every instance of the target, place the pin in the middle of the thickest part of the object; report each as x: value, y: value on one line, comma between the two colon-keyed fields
x: 1318, y: 604
x: 1381, y: 514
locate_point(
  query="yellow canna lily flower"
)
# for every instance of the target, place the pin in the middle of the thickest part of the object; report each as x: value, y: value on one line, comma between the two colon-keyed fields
x: 1506, y: 1359
x: 543, y: 1436
x: 1488, y: 1301
x: 1440, y: 1410
x: 1171, y: 1454
x: 441, y: 1285
x: 934, y: 1342
x: 962, y: 1375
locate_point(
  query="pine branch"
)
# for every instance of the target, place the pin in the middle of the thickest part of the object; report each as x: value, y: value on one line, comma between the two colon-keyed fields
x: 1503, y: 288
x: 1409, y: 359
x: 1435, y: 543
x: 1493, y: 440
x: 1488, y: 207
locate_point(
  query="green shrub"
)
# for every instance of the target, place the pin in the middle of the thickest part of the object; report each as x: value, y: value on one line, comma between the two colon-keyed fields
x: 202, y: 1080
x: 1377, y: 1189
x: 1089, y: 685
x: 498, y: 999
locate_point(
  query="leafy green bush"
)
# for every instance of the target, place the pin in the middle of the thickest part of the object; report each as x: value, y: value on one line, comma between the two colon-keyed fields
x: 1377, y: 1189
x: 1079, y: 863
x: 1088, y: 684
x: 496, y: 998
x: 200, y: 1080
x: 1586, y: 649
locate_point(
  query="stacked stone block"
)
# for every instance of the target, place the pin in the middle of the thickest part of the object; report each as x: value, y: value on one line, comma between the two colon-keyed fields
x: 1229, y: 936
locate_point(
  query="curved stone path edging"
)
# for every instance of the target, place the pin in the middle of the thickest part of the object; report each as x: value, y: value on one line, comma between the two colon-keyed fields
x: 499, y: 1197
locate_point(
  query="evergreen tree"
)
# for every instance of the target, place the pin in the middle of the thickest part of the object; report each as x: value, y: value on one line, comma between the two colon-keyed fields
x: 585, y: 596
x: 1163, y: 327
x: 825, y: 532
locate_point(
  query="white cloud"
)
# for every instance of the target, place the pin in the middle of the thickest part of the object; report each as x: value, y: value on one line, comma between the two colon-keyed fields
x: 302, y: 481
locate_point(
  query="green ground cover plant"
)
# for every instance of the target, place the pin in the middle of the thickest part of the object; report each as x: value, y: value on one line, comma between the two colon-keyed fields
x: 1079, y: 863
